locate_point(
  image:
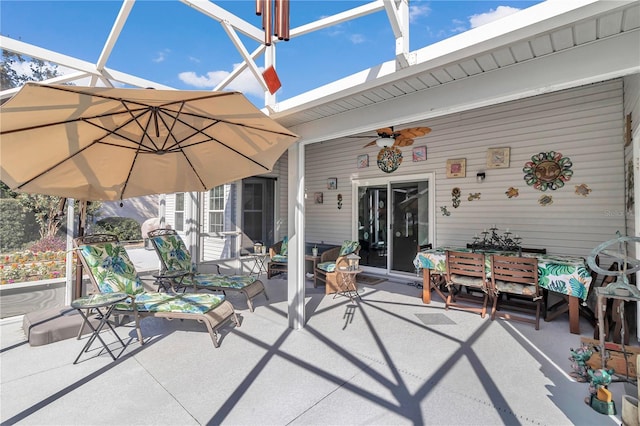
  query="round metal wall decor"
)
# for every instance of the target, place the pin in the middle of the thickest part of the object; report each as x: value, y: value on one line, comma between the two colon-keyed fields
x: 389, y: 159
x: 548, y: 170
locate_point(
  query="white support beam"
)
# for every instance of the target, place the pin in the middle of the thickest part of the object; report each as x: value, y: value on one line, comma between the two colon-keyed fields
x: 295, y: 269
x: 338, y: 18
x: 236, y: 72
x: 121, y: 19
x: 233, y: 36
x: 219, y: 14
x: 88, y: 68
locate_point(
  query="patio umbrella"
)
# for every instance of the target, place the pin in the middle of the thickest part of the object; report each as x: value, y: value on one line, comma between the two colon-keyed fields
x: 95, y: 143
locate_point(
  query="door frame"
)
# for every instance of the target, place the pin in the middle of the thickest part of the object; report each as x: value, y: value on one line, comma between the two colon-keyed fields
x: 387, y: 181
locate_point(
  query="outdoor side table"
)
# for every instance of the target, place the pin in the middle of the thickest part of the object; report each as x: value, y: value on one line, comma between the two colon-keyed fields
x: 346, y: 280
x: 104, y: 304
x: 258, y: 264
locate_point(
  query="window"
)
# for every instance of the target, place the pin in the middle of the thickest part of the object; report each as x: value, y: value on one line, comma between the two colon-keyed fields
x: 179, y: 212
x: 216, y: 209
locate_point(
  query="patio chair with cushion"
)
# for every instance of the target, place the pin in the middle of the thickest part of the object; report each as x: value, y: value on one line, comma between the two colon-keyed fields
x: 178, y: 271
x: 110, y: 270
x: 330, y: 260
x: 466, y: 271
x: 278, y: 254
x: 517, y: 277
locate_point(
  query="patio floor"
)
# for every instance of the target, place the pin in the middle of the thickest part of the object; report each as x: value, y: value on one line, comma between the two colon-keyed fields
x: 385, y: 359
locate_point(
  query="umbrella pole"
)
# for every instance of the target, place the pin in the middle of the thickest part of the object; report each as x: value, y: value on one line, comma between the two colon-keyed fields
x: 81, y: 223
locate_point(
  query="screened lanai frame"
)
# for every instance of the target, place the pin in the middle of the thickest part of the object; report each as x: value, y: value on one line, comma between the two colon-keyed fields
x: 548, y: 47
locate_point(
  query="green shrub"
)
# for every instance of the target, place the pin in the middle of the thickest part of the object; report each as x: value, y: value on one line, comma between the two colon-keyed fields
x: 126, y: 229
x: 17, y: 227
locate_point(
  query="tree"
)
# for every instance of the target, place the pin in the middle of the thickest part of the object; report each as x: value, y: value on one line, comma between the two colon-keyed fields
x: 47, y: 209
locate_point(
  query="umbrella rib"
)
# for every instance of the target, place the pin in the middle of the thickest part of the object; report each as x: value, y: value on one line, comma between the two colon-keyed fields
x: 55, y: 165
x: 180, y: 146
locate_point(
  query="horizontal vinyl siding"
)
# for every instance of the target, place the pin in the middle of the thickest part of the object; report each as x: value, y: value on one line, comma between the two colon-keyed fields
x: 584, y: 124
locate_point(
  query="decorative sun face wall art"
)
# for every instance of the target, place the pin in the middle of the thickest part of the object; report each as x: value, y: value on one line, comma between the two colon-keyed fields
x: 548, y: 170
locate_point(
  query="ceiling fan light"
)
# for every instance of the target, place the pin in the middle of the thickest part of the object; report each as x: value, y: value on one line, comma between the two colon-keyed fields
x: 385, y: 141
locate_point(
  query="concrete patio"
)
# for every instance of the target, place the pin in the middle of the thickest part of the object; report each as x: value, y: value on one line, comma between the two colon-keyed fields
x: 384, y: 359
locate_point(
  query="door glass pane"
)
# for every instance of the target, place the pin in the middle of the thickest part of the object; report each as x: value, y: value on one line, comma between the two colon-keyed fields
x: 410, y: 210
x: 372, y: 225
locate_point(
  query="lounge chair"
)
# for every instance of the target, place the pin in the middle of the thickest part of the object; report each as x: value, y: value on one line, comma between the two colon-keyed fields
x: 178, y: 270
x: 278, y: 256
x: 110, y: 270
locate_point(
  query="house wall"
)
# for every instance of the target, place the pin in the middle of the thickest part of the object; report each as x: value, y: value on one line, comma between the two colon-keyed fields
x: 584, y: 124
x: 631, y: 106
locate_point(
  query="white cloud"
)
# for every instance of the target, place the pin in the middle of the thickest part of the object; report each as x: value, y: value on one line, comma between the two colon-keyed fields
x: 357, y: 38
x: 418, y: 11
x: 492, y: 15
x: 161, y: 55
x: 245, y: 82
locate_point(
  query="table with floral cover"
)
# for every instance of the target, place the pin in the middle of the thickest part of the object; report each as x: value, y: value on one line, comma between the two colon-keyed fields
x: 566, y: 275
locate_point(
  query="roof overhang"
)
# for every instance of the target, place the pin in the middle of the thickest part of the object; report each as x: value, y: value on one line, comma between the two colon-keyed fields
x: 551, y: 46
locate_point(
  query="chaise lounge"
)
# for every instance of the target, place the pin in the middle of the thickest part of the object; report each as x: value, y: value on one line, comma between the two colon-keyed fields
x: 110, y: 270
x: 179, y: 272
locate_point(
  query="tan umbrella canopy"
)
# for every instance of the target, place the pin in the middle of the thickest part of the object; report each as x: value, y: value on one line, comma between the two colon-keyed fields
x: 94, y: 143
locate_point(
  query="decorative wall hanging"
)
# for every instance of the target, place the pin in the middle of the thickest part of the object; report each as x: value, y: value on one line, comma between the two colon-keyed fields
x: 545, y: 200
x: 455, y: 197
x: 332, y: 183
x: 339, y: 201
x: 419, y: 153
x: 547, y: 170
x: 512, y: 192
x: 389, y: 159
x: 457, y: 168
x: 583, y: 190
x: 317, y: 196
x: 444, y: 211
x: 630, y: 190
x: 363, y: 161
x: 474, y: 196
x: 498, y: 158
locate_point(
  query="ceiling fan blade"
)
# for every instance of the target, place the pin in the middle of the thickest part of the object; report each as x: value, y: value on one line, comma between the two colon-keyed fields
x: 372, y: 143
x: 385, y: 131
x: 403, y: 141
x: 414, y: 132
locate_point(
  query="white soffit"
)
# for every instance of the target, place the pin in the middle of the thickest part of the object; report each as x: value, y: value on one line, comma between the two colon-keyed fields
x: 547, y: 30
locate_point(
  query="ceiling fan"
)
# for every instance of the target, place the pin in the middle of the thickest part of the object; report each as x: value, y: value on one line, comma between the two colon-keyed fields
x: 404, y: 137
x: 389, y: 141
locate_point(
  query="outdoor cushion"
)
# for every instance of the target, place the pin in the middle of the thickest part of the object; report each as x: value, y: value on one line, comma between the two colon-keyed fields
x: 327, y: 266
x: 468, y: 281
x: 348, y: 247
x: 284, y: 250
x: 279, y: 258
x: 515, y: 288
x: 191, y: 303
x: 112, y: 268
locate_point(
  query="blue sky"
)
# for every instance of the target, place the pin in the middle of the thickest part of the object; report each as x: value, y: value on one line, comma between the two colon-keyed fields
x: 170, y: 43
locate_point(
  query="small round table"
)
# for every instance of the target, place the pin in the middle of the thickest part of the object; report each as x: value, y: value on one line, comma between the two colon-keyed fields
x: 258, y: 264
x: 346, y: 280
x: 107, y: 301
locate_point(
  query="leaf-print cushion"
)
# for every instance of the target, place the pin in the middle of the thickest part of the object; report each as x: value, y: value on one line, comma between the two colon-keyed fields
x: 284, y: 249
x: 190, y: 303
x: 279, y: 258
x: 214, y: 280
x: 173, y: 252
x: 112, y: 268
x: 348, y: 247
x: 327, y: 266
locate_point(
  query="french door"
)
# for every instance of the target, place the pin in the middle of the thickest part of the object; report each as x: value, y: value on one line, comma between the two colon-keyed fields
x: 393, y: 216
